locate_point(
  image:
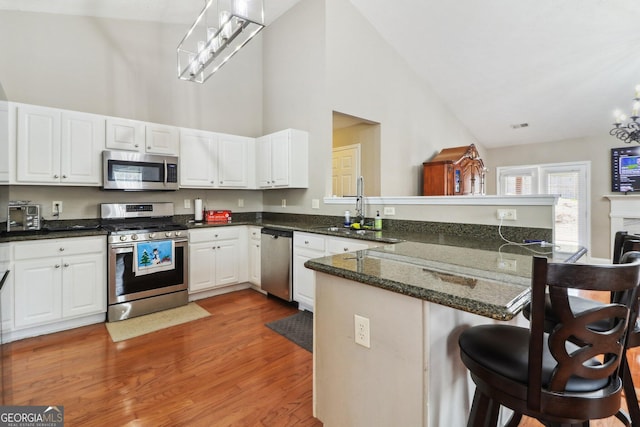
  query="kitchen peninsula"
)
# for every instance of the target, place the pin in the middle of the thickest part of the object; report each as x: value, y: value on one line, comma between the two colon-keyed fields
x: 418, y: 298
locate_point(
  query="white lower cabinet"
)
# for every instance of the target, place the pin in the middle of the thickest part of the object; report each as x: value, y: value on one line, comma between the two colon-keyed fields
x: 59, y: 279
x: 307, y: 246
x: 254, y: 255
x: 217, y: 257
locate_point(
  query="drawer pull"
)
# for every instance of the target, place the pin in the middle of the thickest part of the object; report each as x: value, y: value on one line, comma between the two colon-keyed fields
x: 61, y: 249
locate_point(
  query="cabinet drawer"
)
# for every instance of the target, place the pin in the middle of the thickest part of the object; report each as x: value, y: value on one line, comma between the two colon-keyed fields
x: 214, y: 233
x: 336, y: 246
x: 58, y: 247
x: 254, y: 233
x: 309, y: 241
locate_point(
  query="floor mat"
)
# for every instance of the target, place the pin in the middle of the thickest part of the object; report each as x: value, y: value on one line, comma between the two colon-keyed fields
x: 130, y: 328
x: 297, y: 328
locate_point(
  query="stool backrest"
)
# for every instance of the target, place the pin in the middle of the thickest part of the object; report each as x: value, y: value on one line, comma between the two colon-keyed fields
x: 572, y: 343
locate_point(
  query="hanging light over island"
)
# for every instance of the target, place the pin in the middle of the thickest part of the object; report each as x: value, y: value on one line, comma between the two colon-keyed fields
x: 219, y: 32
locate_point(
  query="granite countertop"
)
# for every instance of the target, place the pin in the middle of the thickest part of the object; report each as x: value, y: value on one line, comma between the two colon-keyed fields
x: 485, y: 281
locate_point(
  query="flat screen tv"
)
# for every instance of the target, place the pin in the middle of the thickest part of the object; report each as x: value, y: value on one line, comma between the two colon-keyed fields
x: 625, y: 169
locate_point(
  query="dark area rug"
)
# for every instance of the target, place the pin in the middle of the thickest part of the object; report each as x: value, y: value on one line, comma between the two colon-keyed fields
x: 297, y: 328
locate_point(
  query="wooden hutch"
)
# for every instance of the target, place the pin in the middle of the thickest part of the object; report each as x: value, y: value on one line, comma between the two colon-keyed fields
x: 453, y: 172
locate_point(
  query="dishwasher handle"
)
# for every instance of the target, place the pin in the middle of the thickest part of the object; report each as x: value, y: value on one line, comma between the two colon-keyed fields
x: 277, y: 233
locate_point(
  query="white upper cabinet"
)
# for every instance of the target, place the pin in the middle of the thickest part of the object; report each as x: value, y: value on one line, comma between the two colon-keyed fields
x: 4, y: 142
x: 214, y: 160
x: 282, y: 160
x: 161, y: 139
x: 58, y: 147
x: 133, y: 135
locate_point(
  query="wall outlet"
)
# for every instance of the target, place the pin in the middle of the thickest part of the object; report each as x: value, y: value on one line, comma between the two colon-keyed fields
x: 187, y: 203
x: 507, y: 264
x: 507, y: 214
x: 315, y: 204
x: 362, y: 335
x: 284, y: 203
x: 56, y: 207
x: 389, y: 210
x: 241, y: 203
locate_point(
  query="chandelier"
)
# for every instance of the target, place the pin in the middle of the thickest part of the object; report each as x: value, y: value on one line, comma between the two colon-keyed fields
x: 628, y: 130
x: 220, y: 30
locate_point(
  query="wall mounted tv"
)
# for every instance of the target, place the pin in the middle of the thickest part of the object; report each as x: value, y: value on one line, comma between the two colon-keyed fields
x: 625, y: 169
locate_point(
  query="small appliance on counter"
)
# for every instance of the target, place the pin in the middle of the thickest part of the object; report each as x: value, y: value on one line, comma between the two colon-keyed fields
x: 217, y: 216
x: 23, y: 216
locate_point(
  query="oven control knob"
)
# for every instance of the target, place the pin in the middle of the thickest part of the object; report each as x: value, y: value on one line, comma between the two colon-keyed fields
x: 123, y: 238
x: 152, y: 235
x: 178, y: 233
x: 168, y: 234
x: 134, y: 237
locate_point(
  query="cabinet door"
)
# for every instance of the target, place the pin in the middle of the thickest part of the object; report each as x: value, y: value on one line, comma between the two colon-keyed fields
x: 233, y: 161
x: 280, y: 159
x: 304, y: 279
x: 263, y: 162
x: 227, y: 268
x: 38, y: 145
x: 254, y: 260
x: 202, y: 266
x: 123, y: 134
x: 161, y: 139
x: 4, y: 142
x: 84, y: 287
x: 37, y: 290
x: 82, y: 143
x: 198, y: 159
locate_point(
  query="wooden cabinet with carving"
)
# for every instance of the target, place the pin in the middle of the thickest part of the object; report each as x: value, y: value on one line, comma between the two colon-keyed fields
x: 454, y: 171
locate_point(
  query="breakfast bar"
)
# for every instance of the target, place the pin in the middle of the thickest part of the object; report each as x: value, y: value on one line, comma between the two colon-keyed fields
x: 417, y: 298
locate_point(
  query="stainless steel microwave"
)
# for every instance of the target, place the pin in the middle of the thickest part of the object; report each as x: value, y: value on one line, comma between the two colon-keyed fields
x: 123, y: 170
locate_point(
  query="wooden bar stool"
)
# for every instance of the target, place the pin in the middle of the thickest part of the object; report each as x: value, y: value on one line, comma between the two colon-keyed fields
x: 568, y: 376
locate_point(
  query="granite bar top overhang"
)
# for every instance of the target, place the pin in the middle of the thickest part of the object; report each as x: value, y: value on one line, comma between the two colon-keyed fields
x: 486, y: 282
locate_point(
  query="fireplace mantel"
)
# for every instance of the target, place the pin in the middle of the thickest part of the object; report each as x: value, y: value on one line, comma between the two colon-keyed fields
x: 624, y: 214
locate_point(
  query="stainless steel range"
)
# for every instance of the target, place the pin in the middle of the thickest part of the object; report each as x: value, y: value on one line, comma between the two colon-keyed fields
x: 148, y: 256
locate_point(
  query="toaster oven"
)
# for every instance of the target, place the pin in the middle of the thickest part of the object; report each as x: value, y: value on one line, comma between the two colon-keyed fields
x: 23, y: 217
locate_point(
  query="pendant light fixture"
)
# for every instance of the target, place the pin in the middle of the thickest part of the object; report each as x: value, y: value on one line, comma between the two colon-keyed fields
x: 220, y: 30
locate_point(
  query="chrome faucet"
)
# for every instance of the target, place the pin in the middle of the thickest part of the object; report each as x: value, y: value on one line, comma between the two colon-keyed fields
x: 361, y: 209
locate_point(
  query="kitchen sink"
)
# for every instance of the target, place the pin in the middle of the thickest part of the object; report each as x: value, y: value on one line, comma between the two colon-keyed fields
x: 349, y: 232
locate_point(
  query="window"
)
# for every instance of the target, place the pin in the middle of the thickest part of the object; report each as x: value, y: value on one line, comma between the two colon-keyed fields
x: 568, y: 180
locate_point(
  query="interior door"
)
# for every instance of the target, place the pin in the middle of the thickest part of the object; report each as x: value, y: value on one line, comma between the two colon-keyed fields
x: 346, y: 169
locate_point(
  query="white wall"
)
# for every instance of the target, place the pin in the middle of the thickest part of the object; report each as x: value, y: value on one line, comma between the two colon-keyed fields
x: 596, y: 149
x: 127, y: 69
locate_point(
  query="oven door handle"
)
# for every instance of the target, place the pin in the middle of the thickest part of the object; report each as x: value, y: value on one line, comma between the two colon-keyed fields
x: 122, y: 249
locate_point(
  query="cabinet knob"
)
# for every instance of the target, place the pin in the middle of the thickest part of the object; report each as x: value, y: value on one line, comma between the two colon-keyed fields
x: 216, y: 236
x: 306, y: 242
x: 64, y: 176
x: 221, y: 182
x: 346, y: 249
x: 218, y: 247
x: 213, y: 182
x: 136, y: 145
x: 61, y: 249
x: 57, y: 265
x: 66, y: 265
x: 148, y: 147
x: 56, y: 176
x: 214, y: 248
x: 257, y: 246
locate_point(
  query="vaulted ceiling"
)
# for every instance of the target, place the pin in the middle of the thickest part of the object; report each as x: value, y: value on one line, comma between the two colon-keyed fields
x: 560, y: 66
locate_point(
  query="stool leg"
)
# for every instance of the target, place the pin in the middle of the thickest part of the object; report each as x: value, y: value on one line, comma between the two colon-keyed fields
x: 630, y: 395
x: 484, y: 411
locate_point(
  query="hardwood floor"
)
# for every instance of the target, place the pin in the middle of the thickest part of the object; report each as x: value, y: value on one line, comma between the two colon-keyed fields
x: 224, y: 370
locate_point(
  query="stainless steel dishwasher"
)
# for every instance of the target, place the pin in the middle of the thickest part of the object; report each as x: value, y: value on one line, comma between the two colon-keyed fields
x: 276, y: 255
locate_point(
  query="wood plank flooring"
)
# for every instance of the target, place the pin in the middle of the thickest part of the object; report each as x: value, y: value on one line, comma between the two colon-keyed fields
x: 224, y: 370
